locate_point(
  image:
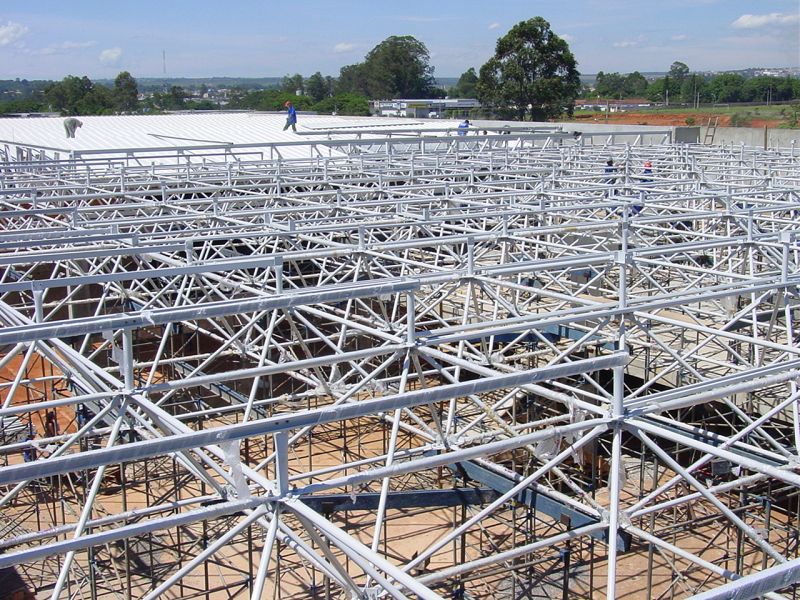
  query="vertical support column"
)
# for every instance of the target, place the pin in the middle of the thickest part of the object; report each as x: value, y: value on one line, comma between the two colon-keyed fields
x: 411, y: 335
x: 279, y: 278
x: 617, y: 414
x: 786, y: 238
x: 38, y: 300
x: 281, y: 440
x: 127, y: 359
x: 470, y: 256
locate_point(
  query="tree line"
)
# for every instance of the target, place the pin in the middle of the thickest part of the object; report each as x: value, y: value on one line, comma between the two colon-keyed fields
x: 681, y: 86
x: 531, y: 75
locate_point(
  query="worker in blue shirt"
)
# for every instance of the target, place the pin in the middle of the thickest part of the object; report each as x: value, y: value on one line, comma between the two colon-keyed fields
x: 291, y: 117
x: 462, y: 127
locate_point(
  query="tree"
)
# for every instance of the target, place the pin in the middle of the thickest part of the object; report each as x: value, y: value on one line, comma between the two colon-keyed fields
x: 352, y: 80
x: 317, y: 87
x: 465, y: 88
x: 126, y: 93
x: 399, y: 67
x: 99, y: 101
x: 666, y: 90
x: 726, y: 87
x: 692, y: 88
x: 343, y: 104
x: 65, y: 95
x: 532, y: 72
x: 79, y: 96
x: 678, y: 71
x: 635, y: 84
x: 177, y: 97
x: 292, y: 83
x: 609, y: 85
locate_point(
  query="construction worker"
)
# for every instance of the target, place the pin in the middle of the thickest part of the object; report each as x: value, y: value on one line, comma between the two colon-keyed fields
x: 291, y: 116
x: 610, y: 169
x: 71, y: 124
x: 29, y: 453
x: 462, y: 127
x: 648, y: 170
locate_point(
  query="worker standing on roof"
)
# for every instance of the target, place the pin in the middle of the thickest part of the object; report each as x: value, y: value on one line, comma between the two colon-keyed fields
x: 291, y: 116
x: 463, y: 126
x: 70, y: 125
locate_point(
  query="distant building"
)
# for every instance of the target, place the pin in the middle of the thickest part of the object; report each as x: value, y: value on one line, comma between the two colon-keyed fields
x: 613, y: 105
x: 424, y: 108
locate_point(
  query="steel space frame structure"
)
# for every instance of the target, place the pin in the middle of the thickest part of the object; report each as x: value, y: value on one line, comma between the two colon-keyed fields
x: 469, y: 367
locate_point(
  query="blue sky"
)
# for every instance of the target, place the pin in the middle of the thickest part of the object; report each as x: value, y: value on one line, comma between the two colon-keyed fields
x: 44, y: 39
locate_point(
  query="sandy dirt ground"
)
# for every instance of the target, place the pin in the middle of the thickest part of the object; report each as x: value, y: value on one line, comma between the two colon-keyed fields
x: 652, y: 118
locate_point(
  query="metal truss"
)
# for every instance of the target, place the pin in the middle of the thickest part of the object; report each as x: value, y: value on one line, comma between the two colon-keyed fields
x: 409, y: 367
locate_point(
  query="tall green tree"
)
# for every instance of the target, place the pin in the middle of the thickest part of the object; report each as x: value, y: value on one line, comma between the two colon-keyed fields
x: 317, y: 87
x: 176, y: 97
x: 79, y: 96
x: 353, y: 79
x: 609, y: 85
x: 399, y: 67
x: 466, y: 86
x: 726, y: 87
x: 292, y: 83
x: 65, y: 95
x: 126, y: 93
x: 635, y: 84
x: 678, y: 71
x: 531, y: 73
x: 692, y: 88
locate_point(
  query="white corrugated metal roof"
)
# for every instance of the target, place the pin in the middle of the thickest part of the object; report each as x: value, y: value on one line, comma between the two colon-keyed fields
x: 134, y: 132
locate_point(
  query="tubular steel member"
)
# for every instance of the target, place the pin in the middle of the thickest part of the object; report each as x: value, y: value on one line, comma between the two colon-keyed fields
x: 480, y: 304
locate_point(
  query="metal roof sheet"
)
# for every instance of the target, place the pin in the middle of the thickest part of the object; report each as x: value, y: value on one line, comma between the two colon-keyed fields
x: 132, y: 132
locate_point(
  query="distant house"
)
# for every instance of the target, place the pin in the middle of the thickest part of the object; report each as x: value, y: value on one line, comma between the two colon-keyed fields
x: 620, y: 105
x: 424, y: 108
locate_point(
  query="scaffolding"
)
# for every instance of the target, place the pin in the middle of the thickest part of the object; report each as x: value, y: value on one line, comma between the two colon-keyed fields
x: 402, y: 367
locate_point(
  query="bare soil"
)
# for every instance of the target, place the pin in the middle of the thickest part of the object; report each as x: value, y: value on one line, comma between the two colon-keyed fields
x: 651, y: 118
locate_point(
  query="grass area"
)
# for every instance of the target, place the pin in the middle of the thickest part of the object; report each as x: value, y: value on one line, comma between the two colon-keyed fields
x: 773, y: 111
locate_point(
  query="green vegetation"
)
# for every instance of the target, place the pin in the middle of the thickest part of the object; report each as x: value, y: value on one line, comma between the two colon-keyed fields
x: 532, y: 73
x: 79, y: 96
x: 466, y: 87
x: 398, y: 67
x: 739, y: 119
x: 680, y: 86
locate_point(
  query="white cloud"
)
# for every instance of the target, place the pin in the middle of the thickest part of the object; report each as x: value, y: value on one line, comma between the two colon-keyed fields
x: 630, y: 43
x: 494, y: 25
x: 567, y: 37
x: 110, y: 56
x: 679, y: 38
x: 72, y: 45
x: 58, y: 48
x: 416, y: 19
x: 758, y: 21
x: 11, y: 32
x: 343, y: 47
